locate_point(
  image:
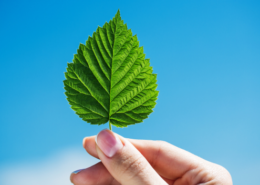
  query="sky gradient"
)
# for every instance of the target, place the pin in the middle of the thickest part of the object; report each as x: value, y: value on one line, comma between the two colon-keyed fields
x: 206, y: 55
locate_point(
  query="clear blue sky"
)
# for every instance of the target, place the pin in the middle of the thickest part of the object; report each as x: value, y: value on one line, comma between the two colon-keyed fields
x: 206, y: 55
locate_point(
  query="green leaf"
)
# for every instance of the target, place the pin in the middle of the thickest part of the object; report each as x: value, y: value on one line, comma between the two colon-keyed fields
x: 110, y: 80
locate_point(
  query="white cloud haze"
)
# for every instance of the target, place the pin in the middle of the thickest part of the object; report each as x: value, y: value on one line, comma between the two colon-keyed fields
x: 54, y: 170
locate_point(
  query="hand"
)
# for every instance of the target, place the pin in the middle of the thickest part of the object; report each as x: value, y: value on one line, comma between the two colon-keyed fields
x: 140, y: 162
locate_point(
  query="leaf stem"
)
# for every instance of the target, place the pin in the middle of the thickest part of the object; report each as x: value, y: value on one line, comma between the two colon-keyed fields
x: 110, y: 126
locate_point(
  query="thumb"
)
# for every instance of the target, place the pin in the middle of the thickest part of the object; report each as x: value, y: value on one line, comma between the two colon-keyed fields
x: 124, y: 162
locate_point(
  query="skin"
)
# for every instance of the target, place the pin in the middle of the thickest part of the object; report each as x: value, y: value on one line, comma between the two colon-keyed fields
x: 149, y: 163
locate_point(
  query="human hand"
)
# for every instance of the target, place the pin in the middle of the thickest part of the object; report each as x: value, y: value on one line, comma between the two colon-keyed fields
x: 141, y: 162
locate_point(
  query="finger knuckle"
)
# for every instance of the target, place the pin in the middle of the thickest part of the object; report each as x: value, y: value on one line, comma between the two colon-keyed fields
x: 133, y: 168
x: 162, y: 143
x: 225, y: 171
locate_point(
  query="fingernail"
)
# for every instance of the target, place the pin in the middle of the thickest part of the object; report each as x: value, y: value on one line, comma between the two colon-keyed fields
x: 108, y: 142
x: 77, y: 171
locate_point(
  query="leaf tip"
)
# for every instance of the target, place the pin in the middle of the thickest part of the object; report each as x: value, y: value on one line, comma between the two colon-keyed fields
x: 118, y: 16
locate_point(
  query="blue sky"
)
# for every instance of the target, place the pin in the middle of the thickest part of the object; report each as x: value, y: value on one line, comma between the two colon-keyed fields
x: 206, y: 55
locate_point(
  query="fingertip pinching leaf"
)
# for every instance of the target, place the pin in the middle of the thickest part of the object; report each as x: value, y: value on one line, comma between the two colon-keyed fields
x: 110, y: 80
